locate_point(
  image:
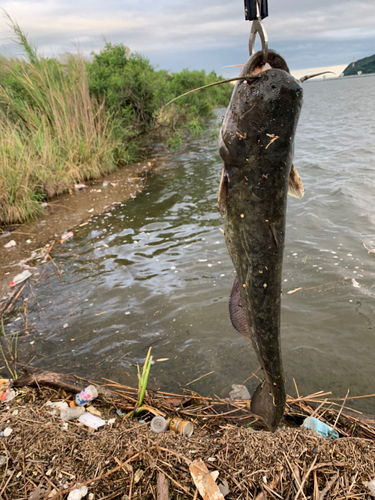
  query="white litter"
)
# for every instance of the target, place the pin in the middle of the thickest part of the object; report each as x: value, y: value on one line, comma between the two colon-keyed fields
x: 91, y: 421
x: 78, y: 493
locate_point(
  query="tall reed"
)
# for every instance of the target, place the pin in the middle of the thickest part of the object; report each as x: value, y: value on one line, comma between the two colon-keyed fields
x: 52, y: 132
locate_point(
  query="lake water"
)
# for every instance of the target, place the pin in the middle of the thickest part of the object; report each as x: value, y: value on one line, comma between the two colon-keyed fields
x: 155, y: 272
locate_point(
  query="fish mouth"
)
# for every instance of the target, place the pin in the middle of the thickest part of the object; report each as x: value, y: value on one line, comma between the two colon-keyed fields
x: 256, y: 63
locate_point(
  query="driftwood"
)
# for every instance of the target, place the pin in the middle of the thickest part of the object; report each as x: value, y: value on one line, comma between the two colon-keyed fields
x: 51, y: 379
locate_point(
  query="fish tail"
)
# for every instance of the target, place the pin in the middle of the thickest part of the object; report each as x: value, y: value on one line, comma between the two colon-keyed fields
x: 268, y: 404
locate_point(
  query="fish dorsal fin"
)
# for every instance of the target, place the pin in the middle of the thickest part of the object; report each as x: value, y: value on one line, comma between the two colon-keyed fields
x: 236, y: 311
x: 295, y: 186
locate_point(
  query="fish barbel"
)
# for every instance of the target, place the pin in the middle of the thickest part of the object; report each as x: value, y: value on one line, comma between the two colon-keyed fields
x: 256, y: 145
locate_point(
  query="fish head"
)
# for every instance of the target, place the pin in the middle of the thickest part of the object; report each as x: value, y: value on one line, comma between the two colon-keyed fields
x: 269, y: 90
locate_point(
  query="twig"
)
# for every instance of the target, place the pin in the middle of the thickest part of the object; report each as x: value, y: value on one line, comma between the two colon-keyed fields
x: 6, y: 484
x: 315, y: 411
x: 295, y: 477
x: 305, y: 478
x: 342, y: 488
x: 295, y: 386
x: 174, y: 481
x: 54, y: 263
x: 131, y: 487
x: 339, y: 413
x: 368, y: 249
x: 199, y: 378
x: 328, y: 486
x: 23, y: 461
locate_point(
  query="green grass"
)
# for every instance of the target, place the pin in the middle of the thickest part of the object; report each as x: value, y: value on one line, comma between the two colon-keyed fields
x: 52, y: 131
x: 67, y: 120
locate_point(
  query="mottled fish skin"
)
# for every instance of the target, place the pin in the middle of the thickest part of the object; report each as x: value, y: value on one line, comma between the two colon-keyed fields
x: 256, y: 144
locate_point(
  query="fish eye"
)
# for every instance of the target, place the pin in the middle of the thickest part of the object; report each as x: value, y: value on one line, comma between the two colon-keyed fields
x: 254, y: 91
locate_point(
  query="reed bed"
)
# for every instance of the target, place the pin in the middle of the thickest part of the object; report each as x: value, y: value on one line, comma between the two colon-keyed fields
x: 52, y: 131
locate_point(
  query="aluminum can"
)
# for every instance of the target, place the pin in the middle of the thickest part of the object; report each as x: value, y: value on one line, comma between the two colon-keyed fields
x: 180, y: 426
x: 86, y: 396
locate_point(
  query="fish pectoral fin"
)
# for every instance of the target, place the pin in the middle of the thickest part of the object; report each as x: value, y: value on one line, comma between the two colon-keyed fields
x: 295, y: 186
x: 236, y: 310
x: 223, y: 193
x: 277, y: 236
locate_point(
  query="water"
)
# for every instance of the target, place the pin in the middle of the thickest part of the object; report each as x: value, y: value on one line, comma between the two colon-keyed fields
x: 155, y: 272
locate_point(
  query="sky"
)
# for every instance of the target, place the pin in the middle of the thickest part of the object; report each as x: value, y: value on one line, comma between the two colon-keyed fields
x: 197, y: 34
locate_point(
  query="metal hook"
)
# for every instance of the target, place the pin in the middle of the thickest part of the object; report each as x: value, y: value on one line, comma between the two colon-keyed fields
x: 257, y: 27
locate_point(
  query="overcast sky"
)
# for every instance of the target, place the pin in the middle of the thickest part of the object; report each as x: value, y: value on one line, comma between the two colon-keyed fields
x: 198, y: 34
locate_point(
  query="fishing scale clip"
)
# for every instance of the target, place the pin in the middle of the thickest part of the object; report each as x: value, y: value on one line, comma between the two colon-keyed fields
x: 256, y: 10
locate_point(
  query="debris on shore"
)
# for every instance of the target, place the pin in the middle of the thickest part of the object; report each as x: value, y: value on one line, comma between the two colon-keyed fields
x: 46, y: 457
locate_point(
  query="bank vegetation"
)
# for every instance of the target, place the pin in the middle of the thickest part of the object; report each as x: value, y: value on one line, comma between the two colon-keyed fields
x: 69, y: 119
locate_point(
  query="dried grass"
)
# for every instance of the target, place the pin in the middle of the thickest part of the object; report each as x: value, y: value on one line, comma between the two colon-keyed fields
x: 122, y: 461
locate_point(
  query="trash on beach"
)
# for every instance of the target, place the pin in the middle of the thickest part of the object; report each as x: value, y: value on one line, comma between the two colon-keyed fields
x: 78, y: 493
x: 72, y: 413
x: 80, y: 187
x: 20, y: 278
x: 320, y: 428
x: 6, y: 432
x: 66, y: 236
x: 239, y: 392
x: 158, y: 424
x: 204, y: 481
x: 10, y: 244
x: 5, y: 387
x: 180, y: 426
x: 59, y: 405
x: 105, y: 184
x: 371, y: 486
x: 11, y: 395
x: 91, y: 421
x: 94, y: 411
x: 86, y: 395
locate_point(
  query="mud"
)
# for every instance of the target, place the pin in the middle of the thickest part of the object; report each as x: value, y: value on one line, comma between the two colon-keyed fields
x: 67, y: 211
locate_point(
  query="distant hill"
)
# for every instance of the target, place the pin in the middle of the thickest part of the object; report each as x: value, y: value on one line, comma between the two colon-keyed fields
x: 366, y: 65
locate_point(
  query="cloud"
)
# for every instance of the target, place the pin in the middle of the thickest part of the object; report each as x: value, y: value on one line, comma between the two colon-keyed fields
x: 168, y: 30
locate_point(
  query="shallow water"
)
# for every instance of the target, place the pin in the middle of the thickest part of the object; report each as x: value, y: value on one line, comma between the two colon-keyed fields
x: 155, y: 272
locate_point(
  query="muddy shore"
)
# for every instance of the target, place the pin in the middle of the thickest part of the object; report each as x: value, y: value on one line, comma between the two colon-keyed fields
x: 67, y: 212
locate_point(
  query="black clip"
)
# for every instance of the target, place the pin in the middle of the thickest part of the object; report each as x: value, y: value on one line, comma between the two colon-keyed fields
x: 251, y: 9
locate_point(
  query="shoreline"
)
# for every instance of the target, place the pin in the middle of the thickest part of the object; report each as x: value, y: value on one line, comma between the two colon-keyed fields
x: 45, y: 457
x: 64, y: 213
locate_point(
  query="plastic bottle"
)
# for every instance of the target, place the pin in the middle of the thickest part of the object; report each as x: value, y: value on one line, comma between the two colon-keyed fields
x: 72, y: 413
x: 105, y: 184
x: 86, y: 396
x: 66, y: 236
x: 320, y: 428
x: 20, y: 277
